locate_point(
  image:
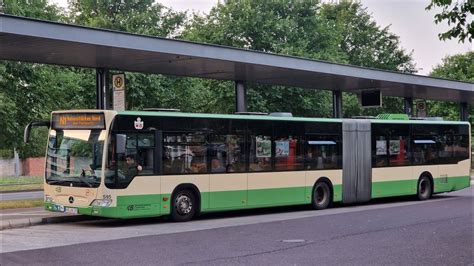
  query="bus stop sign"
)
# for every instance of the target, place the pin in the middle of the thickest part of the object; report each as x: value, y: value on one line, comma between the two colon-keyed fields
x: 118, y: 85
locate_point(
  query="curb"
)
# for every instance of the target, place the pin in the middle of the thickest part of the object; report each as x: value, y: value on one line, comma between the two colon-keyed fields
x: 26, y: 222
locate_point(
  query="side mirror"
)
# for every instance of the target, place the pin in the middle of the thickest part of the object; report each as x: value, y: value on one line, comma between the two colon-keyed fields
x: 121, y: 142
x: 26, y: 134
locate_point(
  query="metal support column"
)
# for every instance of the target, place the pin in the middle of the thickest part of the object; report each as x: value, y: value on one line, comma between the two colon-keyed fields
x: 101, y: 81
x: 408, y: 106
x: 463, y: 112
x: 240, y: 97
x: 337, y: 104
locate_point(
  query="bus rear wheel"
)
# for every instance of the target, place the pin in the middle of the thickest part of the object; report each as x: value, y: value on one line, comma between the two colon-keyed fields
x: 321, y: 196
x: 425, y: 188
x: 184, y: 206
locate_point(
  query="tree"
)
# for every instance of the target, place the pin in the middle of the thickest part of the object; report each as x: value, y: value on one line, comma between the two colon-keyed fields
x: 458, y: 14
x: 140, y: 17
x: 40, y: 9
x: 24, y: 91
x: 363, y: 41
x: 457, y: 67
x: 343, y: 32
x: 41, y: 89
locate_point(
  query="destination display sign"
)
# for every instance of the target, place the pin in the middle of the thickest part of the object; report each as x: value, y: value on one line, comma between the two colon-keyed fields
x: 79, y: 121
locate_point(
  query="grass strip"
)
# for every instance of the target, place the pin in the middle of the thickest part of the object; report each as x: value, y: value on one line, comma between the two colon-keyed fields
x: 16, y: 204
x: 21, y: 187
x: 11, y: 183
x: 6, y: 180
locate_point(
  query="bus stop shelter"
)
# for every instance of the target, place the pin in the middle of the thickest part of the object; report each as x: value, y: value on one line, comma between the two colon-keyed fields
x: 37, y: 41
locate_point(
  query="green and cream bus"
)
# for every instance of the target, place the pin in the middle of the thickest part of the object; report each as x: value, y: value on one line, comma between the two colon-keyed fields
x: 152, y: 163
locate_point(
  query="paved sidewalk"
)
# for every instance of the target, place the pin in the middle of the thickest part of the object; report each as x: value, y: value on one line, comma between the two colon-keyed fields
x: 17, y: 218
x: 22, y: 195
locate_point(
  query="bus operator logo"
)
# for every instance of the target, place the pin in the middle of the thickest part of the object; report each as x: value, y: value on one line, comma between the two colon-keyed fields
x: 138, y: 123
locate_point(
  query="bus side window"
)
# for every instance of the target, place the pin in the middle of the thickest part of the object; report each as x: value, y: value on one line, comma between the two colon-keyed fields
x: 379, y: 151
x: 461, y: 147
x: 289, y: 152
x: 322, y: 152
x: 260, y: 146
x: 146, y: 152
x: 398, y: 151
x: 260, y: 153
x: 184, y: 153
x: 425, y: 150
x: 227, y: 153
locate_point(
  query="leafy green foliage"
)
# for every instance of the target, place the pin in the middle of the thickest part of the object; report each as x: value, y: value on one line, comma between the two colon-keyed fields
x: 141, y: 17
x: 459, y: 15
x: 456, y: 67
x: 342, y: 32
x: 40, y: 9
x: 30, y: 91
x: 26, y: 93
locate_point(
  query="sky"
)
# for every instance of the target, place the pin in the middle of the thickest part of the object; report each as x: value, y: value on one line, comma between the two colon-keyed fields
x: 407, y: 18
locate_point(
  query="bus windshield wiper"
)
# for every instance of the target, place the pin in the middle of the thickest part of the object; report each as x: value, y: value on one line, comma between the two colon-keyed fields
x: 82, y: 178
x: 55, y: 181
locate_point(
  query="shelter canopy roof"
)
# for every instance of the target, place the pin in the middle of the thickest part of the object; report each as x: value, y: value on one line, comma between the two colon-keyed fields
x: 30, y: 40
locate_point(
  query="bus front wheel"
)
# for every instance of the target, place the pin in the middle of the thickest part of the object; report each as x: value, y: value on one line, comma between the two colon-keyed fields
x: 425, y: 188
x: 321, y: 196
x: 184, y: 206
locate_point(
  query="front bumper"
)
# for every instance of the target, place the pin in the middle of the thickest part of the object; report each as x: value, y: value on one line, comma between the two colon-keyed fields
x: 122, y: 212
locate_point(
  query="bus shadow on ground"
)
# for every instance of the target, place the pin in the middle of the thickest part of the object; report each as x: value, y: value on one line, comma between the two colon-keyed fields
x: 110, y: 223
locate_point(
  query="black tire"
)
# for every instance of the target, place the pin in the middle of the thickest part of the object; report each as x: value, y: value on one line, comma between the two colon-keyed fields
x: 183, y: 206
x: 424, y: 188
x: 322, y: 197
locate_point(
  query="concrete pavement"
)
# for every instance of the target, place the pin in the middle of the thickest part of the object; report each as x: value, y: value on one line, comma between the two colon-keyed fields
x: 21, y: 195
x: 17, y: 218
x: 393, y: 232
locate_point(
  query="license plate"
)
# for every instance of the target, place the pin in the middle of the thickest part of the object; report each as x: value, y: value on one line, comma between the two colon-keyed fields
x: 71, y: 210
x: 58, y: 208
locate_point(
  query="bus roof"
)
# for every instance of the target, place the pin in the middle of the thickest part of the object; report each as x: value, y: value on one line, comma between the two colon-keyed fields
x: 277, y: 118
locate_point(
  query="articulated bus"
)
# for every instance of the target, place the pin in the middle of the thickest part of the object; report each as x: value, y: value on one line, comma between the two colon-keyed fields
x: 151, y: 163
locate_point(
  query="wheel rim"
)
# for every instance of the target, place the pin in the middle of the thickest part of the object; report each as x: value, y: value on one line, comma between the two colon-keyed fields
x: 424, y: 188
x: 183, y: 204
x: 321, y: 195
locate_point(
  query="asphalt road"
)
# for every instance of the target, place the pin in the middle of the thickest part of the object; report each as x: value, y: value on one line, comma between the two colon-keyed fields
x: 21, y: 195
x: 397, y: 231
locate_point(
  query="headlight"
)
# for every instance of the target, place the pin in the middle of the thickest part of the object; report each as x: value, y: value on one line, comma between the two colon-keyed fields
x: 102, y: 202
x: 48, y: 198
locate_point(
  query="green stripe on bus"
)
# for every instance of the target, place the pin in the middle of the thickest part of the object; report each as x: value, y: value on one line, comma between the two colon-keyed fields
x: 451, y: 183
x: 409, y: 187
x: 140, y: 206
x: 393, y: 188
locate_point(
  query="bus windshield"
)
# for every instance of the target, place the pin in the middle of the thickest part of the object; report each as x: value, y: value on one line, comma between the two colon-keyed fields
x: 74, y: 157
